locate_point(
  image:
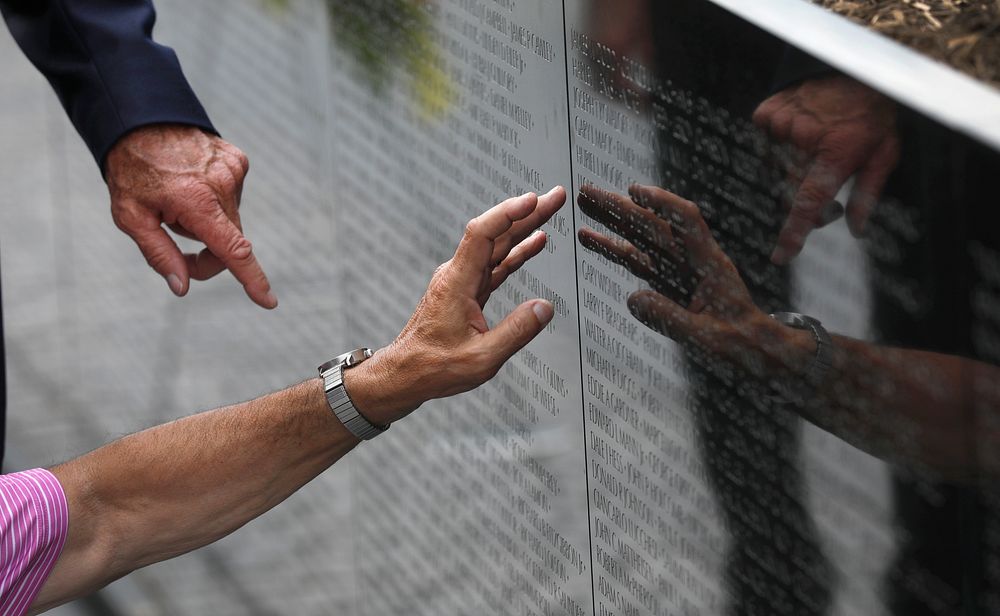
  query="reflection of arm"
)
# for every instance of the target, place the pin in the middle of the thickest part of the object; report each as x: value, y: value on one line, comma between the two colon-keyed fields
x: 101, y: 60
x: 909, y: 406
x: 905, y: 405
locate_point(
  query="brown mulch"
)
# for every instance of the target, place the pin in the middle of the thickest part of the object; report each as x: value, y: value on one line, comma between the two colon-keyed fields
x: 962, y: 33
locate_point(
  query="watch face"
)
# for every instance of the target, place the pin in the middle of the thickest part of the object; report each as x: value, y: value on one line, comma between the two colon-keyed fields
x: 351, y: 358
x: 343, y: 357
x: 808, y: 320
x: 796, y: 320
x: 354, y: 357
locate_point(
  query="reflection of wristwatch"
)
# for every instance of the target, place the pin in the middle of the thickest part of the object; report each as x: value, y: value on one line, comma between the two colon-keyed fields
x: 340, y: 403
x: 821, y: 362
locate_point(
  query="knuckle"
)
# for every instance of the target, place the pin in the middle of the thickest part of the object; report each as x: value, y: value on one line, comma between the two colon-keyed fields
x: 441, y: 269
x: 202, y: 198
x: 156, y: 258
x: 780, y: 121
x: 440, y: 275
x: 228, y: 183
x: 239, y: 248
x: 688, y: 210
x: 473, y: 228
x: 654, y: 193
x: 638, y: 262
x: 124, y: 220
x: 803, y: 132
x: 808, y: 202
x: 238, y: 157
x: 133, y: 220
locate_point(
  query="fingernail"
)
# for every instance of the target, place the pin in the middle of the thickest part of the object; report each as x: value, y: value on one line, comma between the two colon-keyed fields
x: 271, y: 299
x: 780, y: 256
x: 174, y: 282
x: 544, y: 311
x: 553, y: 190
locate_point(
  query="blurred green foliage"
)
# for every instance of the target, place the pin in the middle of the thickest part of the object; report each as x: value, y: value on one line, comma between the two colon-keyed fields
x: 388, y: 39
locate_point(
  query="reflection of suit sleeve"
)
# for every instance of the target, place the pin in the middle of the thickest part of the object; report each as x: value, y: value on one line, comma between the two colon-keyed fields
x: 101, y: 60
x: 797, y: 66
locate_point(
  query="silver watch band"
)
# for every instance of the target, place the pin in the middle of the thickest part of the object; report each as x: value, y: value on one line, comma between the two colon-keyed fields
x: 821, y: 362
x: 340, y: 402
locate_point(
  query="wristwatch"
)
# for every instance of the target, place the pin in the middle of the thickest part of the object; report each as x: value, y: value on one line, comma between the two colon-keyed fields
x: 821, y: 363
x: 332, y: 373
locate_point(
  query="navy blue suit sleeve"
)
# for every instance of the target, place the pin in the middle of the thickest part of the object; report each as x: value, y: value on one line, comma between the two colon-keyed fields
x: 109, y: 74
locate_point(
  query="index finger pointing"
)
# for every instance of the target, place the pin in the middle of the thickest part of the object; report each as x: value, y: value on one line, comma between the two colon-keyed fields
x: 226, y: 242
x: 818, y: 189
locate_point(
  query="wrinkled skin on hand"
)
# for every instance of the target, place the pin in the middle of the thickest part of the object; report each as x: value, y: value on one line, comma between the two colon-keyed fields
x: 839, y: 128
x: 698, y: 297
x: 191, y: 181
x: 447, y: 347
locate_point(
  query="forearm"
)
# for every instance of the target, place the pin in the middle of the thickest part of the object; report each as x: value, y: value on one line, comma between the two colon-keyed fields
x: 176, y: 487
x: 182, y: 485
x: 916, y: 408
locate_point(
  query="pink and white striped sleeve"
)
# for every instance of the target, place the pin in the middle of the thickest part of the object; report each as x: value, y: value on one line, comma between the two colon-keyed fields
x: 34, y: 519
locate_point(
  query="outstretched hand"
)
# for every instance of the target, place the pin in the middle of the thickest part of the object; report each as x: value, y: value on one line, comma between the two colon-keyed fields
x: 839, y: 128
x: 191, y: 181
x: 698, y: 297
x: 447, y: 347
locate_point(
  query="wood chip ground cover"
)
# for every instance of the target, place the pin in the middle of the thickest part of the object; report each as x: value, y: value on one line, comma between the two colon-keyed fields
x: 962, y: 33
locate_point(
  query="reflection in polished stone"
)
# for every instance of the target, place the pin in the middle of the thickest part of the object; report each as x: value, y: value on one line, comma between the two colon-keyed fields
x: 648, y: 455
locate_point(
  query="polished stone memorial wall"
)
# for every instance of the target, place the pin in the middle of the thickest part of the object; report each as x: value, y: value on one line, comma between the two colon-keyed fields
x: 663, y: 457
x: 624, y: 465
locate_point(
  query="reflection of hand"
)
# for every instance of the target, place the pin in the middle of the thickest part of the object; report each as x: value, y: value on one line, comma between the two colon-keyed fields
x: 447, y: 347
x: 626, y: 27
x: 192, y: 181
x: 841, y: 127
x: 699, y: 298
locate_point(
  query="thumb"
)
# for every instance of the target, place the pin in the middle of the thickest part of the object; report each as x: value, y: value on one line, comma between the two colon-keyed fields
x: 163, y: 255
x: 518, y: 328
x: 660, y: 314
